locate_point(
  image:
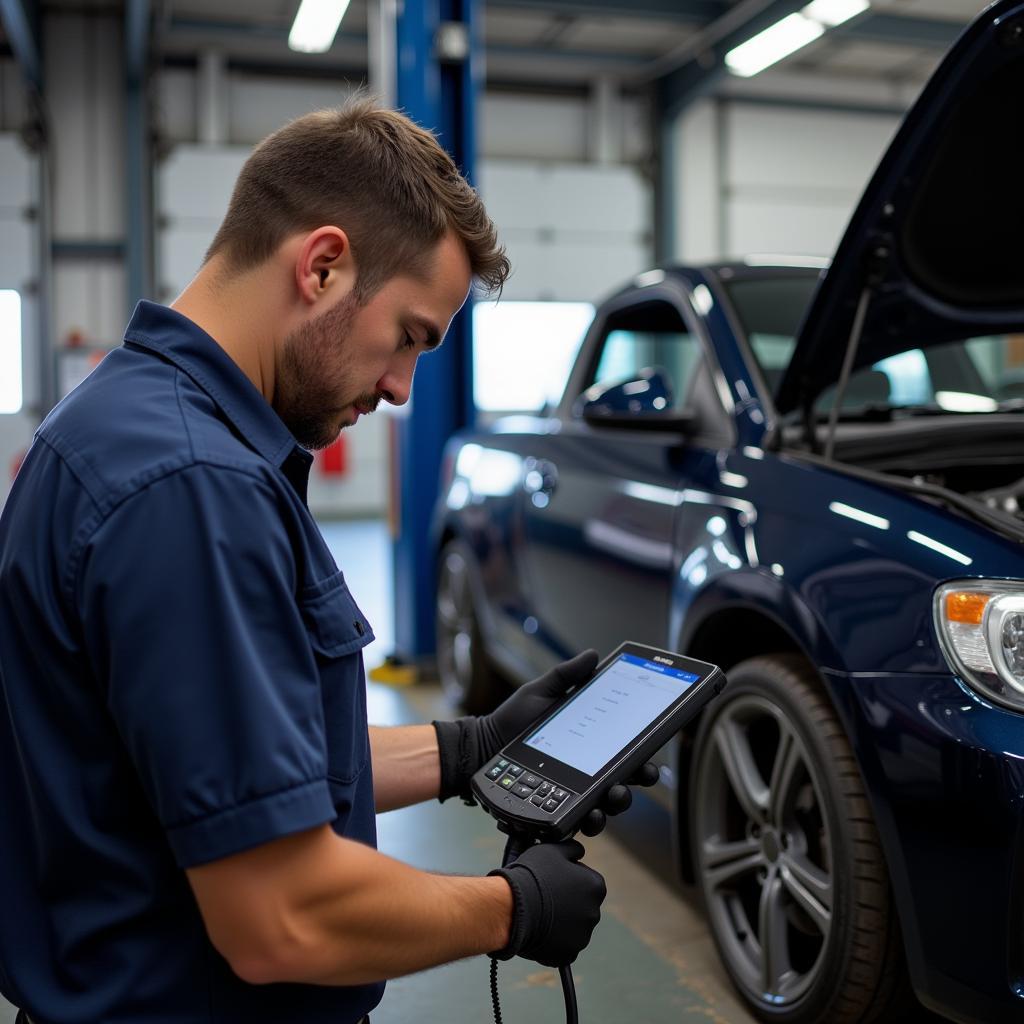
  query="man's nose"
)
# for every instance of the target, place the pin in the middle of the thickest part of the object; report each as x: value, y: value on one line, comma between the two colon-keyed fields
x: 396, y: 384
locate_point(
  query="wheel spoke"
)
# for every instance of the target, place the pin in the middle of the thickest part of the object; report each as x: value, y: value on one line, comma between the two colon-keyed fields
x: 810, y: 887
x: 742, y: 772
x: 449, y: 615
x: 785, y: 773
x: 726, y: 862
x: 773, y: 933
x: 459, y: 585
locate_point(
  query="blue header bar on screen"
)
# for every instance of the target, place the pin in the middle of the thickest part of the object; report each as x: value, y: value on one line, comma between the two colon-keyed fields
x: 665, y: 670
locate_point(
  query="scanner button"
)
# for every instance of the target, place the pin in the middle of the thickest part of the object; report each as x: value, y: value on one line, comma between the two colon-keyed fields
x: 522, y: 791
x: 507, y: 782
x: 514, y: 769
x: 502, y: 763
x: 496, y: 772
x: 559, y: 795
x: 550, y: 804
x: 538, y: 800
x: 544, y: 789
x: 533, y: 781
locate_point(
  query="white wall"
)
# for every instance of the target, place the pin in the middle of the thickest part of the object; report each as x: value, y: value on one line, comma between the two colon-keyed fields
x: 755, y: 178
x: 573, y: 231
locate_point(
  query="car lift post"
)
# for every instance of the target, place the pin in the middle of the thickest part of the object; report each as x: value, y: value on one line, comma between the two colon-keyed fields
x: 438, y: 79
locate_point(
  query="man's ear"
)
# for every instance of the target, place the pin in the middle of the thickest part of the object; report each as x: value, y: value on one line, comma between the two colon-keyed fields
x: 324, y: 265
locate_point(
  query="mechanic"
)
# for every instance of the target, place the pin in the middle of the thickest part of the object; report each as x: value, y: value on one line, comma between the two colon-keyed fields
x: 187, y: 780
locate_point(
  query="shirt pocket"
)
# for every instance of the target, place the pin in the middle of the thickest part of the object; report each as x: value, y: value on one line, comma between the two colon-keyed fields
x: 338, y: 631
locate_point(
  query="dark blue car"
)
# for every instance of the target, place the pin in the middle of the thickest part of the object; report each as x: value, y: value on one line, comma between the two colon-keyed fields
x: 816, y: 480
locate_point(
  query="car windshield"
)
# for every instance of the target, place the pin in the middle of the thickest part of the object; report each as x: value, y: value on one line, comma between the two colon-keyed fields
x: 980, y: 374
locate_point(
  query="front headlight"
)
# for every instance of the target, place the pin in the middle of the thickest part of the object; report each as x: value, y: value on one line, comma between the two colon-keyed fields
x: 981, y: 627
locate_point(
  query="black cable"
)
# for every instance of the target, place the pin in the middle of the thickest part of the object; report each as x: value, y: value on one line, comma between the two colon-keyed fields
x: 495, y: 1003
x: 568, y: 994
x: 517, y: 844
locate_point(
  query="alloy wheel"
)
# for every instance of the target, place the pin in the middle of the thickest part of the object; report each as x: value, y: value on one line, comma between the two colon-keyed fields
x: 764, y: 850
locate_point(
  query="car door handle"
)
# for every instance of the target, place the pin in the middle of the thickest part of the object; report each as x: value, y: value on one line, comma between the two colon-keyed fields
x: 541, y: 477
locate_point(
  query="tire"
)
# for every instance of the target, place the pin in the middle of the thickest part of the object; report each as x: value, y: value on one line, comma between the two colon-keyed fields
x: 785, y: 845
x: 462, y: 665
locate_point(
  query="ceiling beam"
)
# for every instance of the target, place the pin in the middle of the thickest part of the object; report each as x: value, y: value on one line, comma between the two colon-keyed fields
x: 700, y: 63
x: 21, y: 23
x: 930, y: 33
x: 192, y: 28
x: 691, y: 72
x: 685, y: 11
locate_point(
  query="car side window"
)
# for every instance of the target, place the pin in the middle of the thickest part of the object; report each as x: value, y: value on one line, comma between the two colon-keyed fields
x: 645, y: 339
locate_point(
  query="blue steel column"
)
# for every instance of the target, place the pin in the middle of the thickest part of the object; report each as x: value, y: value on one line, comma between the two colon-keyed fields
x: 441, y: 95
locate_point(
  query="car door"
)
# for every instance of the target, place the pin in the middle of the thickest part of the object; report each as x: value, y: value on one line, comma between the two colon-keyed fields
x: 600, y: 502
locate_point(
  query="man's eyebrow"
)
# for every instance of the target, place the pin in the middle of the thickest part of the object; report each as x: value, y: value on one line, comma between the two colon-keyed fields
x: 434, y: 335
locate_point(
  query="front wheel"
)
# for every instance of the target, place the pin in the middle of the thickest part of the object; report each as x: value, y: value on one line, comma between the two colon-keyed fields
x: 787, y: 854
x: 462, y: 665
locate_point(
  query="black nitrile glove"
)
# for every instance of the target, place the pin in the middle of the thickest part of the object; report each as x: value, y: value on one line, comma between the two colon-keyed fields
x: 556, y: 904
x: 467, y: 744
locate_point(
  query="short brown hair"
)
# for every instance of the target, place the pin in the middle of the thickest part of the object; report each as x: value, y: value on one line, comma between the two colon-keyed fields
x: 371, y: 171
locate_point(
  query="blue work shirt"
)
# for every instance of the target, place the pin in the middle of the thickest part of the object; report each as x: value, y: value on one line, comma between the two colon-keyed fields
x: 182, y: 679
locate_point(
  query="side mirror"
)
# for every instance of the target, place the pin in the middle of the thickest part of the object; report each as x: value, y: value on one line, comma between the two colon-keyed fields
x: 644, y: 403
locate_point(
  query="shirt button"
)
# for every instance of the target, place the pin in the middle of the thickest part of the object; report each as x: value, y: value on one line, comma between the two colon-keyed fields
x: 358, y: 627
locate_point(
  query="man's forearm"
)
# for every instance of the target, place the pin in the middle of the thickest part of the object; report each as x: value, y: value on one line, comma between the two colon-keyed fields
x: 406, y: 921
x: 318, y: 909
x: 406, y: 765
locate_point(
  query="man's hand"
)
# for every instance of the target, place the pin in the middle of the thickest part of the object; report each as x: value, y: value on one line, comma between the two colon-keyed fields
x: 467, y: 744
x: 557, y: 903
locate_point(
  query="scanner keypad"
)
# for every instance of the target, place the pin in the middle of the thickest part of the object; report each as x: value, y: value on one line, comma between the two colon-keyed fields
x: 527, y: 785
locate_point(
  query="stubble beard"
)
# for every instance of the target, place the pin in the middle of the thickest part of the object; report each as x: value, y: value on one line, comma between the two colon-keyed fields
x: 316, y: 371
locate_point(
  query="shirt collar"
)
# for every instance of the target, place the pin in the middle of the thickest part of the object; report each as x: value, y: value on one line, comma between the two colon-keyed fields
x: 186, y: 345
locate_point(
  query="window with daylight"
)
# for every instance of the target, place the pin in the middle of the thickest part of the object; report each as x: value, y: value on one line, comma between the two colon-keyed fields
x: 523, y: 351
x: 10, y: 351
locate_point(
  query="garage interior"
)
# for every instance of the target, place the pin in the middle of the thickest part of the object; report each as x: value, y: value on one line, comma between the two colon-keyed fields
x: 610, y: 137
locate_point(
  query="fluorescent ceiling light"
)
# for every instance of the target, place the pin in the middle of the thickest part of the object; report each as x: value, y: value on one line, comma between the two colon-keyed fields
x: 791, y: 34
x: 316, y: 25
x: 771, y: 45
x: 834, y: 12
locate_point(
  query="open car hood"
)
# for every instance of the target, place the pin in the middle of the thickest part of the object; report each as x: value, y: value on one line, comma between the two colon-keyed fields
x: 938, y: 236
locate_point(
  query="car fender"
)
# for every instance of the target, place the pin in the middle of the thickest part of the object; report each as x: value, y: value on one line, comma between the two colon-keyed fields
x: 756, y: 591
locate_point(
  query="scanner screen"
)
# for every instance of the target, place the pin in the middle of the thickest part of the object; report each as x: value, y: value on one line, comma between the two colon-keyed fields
x: 610, y: 712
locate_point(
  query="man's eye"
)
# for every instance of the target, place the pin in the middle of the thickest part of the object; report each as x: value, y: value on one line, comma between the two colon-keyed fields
x: 408, y: 341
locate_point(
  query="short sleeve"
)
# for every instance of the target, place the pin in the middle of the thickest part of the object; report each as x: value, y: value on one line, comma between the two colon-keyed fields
x: 187, y: 600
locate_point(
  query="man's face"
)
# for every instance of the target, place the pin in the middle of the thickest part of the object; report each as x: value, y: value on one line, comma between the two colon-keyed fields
x: 340, y: 364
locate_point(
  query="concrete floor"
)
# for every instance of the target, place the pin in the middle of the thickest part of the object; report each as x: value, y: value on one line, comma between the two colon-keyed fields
x: 651, y: 958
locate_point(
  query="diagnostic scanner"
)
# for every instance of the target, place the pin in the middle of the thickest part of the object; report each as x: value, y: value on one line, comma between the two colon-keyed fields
x: 546, y: 781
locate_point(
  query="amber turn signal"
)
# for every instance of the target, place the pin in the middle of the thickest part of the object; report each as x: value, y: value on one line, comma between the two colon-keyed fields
x: 966, y: 606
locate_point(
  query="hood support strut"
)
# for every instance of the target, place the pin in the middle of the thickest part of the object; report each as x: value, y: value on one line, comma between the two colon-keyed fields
x: 844, y: 377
